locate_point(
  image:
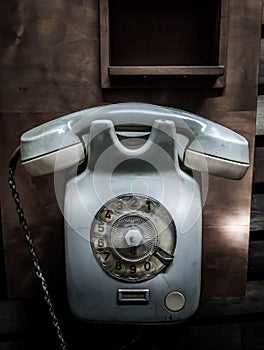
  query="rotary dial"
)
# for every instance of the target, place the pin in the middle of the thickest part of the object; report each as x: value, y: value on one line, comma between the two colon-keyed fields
x: 133, y: 237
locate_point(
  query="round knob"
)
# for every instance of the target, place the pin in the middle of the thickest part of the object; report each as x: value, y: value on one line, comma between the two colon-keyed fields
x: 175, y: 301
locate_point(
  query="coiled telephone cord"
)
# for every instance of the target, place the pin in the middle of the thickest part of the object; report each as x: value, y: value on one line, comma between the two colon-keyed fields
x: 27, y: 235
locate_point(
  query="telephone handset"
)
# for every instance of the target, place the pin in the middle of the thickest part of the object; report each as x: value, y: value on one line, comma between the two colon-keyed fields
x: 133, y: 227
x: 225, y: 151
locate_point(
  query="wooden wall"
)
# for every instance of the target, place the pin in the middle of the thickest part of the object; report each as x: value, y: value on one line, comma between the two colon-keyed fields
x: 41, y: 48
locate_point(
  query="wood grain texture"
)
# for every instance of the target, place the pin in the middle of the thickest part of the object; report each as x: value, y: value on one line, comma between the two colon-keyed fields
x: 260, y: 115
x: 258, y: 173
x: 252, y: 302
x: 51, y: 56
x: 257, y: 212
x: 256, y: 261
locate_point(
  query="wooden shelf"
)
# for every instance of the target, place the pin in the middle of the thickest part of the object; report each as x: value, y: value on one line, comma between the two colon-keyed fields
x: 166, y: 70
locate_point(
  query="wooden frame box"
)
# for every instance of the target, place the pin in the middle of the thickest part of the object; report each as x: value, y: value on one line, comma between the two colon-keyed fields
x: 163, y: 44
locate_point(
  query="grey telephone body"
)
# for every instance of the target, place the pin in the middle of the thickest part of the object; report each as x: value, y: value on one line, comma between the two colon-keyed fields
x: 133, y: 224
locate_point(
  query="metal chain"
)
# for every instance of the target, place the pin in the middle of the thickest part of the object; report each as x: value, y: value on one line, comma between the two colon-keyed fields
x: 30, y: 245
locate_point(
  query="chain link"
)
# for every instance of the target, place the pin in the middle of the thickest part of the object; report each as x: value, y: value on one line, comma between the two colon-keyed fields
x: 31, y: 248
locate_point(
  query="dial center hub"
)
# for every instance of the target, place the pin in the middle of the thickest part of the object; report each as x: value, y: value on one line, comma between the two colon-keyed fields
x: 133, y: 237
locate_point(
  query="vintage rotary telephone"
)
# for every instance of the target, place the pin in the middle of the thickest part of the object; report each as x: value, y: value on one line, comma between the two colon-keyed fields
x: 132, y: 205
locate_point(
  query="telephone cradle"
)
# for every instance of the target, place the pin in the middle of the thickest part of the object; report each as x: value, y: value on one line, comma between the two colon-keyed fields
x: 132, y: 205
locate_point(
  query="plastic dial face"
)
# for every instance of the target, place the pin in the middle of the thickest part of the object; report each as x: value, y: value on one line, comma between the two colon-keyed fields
x: 133, y: 237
